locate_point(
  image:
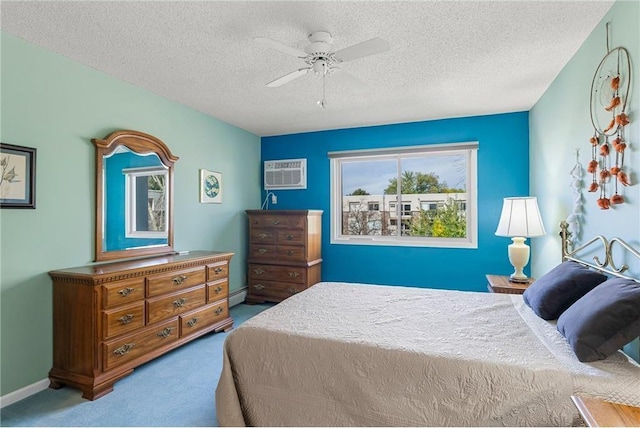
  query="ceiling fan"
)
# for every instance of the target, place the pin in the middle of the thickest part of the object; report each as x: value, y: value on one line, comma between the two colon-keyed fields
x: 322, y: 59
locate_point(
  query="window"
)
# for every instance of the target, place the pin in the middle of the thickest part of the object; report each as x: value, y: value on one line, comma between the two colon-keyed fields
x: 145, y: 202
x: 428, y: 206
x: 436, y: 187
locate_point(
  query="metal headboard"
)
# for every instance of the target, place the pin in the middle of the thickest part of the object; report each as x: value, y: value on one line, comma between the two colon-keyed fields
x: 608, y: 265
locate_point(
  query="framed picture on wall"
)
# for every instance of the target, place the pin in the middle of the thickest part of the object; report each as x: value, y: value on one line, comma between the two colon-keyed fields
x: 17, y: 176
x: 210, y: 187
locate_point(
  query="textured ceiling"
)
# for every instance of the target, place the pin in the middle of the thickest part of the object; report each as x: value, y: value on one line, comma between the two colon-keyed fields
x: 447, y: 58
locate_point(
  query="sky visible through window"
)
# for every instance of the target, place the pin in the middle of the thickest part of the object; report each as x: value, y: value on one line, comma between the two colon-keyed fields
x: 373, y: 176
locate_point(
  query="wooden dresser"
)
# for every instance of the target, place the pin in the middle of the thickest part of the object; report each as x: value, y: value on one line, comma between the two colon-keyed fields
x: 599, y: 413
x: 110, y: 318
x: 284, y: 253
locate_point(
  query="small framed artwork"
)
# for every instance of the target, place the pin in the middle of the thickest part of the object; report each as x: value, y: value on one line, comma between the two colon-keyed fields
x: 210, y: 187
x: 17, y: 176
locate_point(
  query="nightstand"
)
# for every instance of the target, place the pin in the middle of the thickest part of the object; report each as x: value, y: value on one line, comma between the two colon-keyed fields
x: 598, y: 413
x: 501, y: 284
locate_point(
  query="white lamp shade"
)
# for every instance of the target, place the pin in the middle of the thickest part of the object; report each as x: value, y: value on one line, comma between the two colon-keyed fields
x: 520, y: 217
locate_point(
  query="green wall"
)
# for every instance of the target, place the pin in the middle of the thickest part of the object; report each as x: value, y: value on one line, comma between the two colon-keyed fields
x: 57, y: 106
x: 560, y: 122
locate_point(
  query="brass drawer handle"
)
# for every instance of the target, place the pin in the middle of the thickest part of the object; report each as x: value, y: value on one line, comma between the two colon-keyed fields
x: 180, y: 302
x: 262, y: 250
x: 124, y: 348
x: 218, y: 289
x: 126, y: 291
x: 219, y: 310
x: 294, y: 274
x: 259, y: 271
x: 193, y: 321
x: 262, y: 235
x: 290, y: 237
x: 290, y: 252
x: 166, y: 332
x: 179, y: 279
x: 259, y: 287
x: 293, y: 290
x: 126, y: 319
x: 217, y: 270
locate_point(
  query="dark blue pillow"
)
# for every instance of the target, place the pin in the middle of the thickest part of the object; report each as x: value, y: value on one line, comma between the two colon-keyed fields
x: 560, y: 288
x: 604, y: 320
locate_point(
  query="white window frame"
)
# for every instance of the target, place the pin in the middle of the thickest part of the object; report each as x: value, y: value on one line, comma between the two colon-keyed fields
x: 130, y: 201
x: 469, y: 149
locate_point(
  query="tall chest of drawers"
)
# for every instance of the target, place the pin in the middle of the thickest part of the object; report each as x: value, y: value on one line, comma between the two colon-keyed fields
x: 110, y: 318
x: 284, y: 253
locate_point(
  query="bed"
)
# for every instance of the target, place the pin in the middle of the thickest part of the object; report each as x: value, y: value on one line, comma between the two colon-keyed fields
x: 342, y: 354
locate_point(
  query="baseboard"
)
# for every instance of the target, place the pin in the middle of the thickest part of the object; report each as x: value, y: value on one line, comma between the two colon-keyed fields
x: 22, y: 393
x: 235, y: 298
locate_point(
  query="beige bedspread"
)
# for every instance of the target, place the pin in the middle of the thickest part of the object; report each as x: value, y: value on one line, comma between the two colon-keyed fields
x: 351, y: 354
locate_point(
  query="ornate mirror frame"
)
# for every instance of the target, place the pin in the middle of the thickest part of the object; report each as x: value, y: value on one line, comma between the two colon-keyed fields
x: 140, y: 143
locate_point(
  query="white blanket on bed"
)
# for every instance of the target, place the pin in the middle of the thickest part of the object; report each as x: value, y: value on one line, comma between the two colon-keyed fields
x: 351, y: 354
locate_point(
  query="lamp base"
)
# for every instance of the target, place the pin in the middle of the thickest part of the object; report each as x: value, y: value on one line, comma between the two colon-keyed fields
x: 518, y: 257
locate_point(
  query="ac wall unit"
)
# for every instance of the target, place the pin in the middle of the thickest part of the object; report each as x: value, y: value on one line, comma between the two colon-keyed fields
x: 285, y: 174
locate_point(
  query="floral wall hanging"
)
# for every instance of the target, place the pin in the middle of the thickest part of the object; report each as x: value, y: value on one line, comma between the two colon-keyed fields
x: 608, y: 104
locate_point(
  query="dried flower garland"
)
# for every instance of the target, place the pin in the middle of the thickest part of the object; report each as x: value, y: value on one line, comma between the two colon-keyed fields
x: 609, y: 94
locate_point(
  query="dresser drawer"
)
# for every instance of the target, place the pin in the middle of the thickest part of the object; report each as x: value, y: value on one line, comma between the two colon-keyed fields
x: 122, y: 292
x: 217, y: 290
x: 278, y: 273
x: 128, y: 348
x: 264, y: 251
x: 276, y: 221
x: 290, y: 253
x: 217, y: 271
x: 297, y: 221
x: 175, y: 280
x: 291, y: 237
x: 275, y: 290
x: 204, y: 317
x: 263, y: 236
x: 122, y: 319
x: 174, y: 304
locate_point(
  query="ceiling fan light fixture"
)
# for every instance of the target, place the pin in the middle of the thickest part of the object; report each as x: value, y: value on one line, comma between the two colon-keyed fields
x: 320, y: 67
x: 322, y: 59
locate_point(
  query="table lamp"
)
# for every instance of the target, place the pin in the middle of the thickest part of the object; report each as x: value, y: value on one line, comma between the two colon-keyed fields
x: 520, y: 219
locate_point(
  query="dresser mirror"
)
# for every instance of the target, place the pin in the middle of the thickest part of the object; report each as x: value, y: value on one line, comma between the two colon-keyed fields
x: 134, y: 196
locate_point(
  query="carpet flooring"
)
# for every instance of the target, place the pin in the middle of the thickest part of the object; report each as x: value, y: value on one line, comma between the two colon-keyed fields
x: 176, y: 389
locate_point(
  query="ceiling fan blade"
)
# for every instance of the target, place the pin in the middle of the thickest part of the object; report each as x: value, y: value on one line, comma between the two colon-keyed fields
x: 288, y: 77
x: 280, y: 47
x: 349, y: 79
x: 370, y: 47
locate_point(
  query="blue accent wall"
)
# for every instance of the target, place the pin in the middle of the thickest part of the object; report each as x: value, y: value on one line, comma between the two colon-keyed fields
x: 503, y: 171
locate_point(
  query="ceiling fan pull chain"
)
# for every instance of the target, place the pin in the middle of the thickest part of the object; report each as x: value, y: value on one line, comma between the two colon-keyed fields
x: 322, y: 102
